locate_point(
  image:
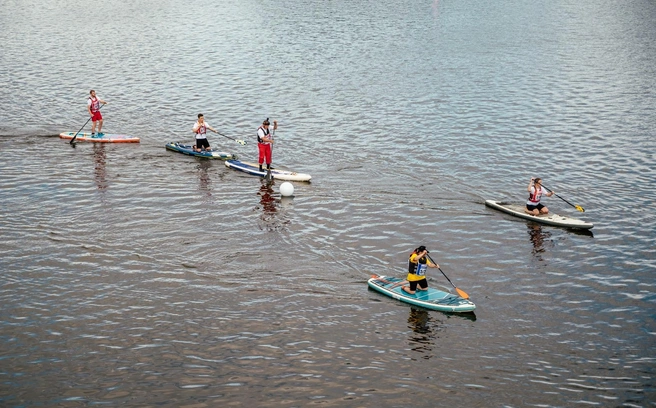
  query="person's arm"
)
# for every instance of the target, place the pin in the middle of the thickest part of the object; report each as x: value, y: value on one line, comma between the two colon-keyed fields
x: 430, y: 263
x: 265, y: 138
x: 269, y: 137
x: 89, y: 108
x: 196, y: 126
x: 207, y: 125
x: 530, y: 184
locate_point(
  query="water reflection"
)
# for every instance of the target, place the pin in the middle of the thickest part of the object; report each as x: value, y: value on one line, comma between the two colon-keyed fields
x: 422, y: 338
x: 267, y: 204
x: 286, y: 202
x: 538, y: 238
x: 267, y: 200
x: 204, y: 180
x: 100, y: 166
x: 425, y: 328
x: 583, y: 232
x: 541, y: 239
x: 272, y: 217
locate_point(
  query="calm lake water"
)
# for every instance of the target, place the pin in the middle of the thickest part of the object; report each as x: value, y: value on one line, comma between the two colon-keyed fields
x: 136, y: 276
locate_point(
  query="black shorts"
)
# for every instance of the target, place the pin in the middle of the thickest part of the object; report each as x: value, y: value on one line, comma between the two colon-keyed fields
x: 533, y: 207
x: 422, y: 284
x: 202, y: 143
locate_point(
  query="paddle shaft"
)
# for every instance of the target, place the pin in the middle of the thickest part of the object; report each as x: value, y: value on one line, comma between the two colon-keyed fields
x: 241, y: 142
x: 85, y: 123
x: 462, y: 293
x: 440, y: 269
x: 578, y: 207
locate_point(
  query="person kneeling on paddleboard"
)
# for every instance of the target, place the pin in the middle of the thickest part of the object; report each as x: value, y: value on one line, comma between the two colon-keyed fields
x: 264, y: 142
x: 535, y: 192
x: 417, y: 265
x: 200, y: 129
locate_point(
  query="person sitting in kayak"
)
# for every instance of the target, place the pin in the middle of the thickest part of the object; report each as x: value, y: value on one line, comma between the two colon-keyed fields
x: 200, y: 129
x: 417, y: 265
x: 535, y: 191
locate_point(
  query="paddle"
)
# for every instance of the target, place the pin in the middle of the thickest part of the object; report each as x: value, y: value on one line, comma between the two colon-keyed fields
x: 241, y: 142
x: 269, y: 176
x: 578, y: 207
x: 462, y: 293
x: 85, y: 123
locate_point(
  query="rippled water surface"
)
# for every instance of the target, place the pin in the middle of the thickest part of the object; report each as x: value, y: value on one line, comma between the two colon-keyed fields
x: 136, y: 276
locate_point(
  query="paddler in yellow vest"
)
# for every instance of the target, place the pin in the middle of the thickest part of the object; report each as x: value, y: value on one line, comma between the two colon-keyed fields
x: 417, y: 265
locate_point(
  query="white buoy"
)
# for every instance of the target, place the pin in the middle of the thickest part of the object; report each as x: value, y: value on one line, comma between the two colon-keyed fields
x: 286, y: 189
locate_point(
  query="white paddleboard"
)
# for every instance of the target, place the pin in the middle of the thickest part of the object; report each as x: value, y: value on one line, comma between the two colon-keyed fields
x: 254, y: 170
x: 549, y: 219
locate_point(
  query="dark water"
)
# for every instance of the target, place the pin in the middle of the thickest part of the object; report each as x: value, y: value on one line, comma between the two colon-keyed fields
x: 136, y: 276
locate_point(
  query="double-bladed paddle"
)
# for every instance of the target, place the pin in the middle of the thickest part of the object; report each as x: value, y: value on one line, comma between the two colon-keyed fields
x: 578, y: 207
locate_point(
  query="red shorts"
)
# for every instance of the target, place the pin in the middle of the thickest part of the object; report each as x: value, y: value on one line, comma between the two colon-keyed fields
x: 96, y: 116
x: 265, y: 152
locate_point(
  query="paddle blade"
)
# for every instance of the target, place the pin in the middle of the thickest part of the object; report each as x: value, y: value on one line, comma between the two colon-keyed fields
x: 462, y: 293
x: 578, y: 207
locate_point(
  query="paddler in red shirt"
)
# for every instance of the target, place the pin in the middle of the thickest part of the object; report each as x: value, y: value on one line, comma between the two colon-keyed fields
x: 93, y: 106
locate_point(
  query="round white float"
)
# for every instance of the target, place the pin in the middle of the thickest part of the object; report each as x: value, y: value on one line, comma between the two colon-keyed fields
x: 286, y: 189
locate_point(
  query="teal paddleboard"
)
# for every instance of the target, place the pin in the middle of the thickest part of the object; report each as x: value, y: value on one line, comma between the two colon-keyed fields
x: 432, y: 298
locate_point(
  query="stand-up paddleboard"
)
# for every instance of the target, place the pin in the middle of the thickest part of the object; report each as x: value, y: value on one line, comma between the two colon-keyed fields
x: 432, y: 298
x: 189, y: 150
x: 105, y: 138
x: 549, y: 219
x: 254, y: 170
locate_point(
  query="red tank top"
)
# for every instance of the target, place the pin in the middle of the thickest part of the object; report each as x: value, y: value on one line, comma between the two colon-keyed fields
x: 95, y: 104
x: 536, y: 195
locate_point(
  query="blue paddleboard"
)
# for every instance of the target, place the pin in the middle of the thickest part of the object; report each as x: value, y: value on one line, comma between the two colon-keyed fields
x: 189, y: 150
